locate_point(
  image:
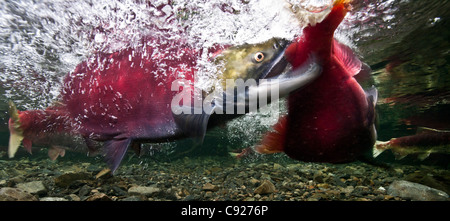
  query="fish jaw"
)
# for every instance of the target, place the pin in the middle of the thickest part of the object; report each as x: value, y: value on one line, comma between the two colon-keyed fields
x: 283, y: 84
x: 240, y: 65
x: 277, y: 64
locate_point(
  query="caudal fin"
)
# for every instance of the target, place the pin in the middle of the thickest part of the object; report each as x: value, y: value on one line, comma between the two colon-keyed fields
x: 342, y: 2
x: 379, y: 147
x: 273, y: 142
x: 15, y: 132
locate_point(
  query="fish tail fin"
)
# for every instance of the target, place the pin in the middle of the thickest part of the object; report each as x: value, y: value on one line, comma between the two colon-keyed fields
x: 16, y: 133
x: 379, y: 147
x: 335, y: 17
x: 342, y: 2
x: 273, y: 142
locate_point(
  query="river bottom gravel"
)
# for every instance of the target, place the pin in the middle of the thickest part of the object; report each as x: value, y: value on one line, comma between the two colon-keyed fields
x: 75, y: 178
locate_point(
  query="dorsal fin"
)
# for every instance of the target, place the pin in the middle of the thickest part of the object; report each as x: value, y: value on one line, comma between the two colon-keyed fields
x: 346, y: 56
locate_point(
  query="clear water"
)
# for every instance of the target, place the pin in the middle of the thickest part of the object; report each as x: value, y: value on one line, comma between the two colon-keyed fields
x: 406, y: 43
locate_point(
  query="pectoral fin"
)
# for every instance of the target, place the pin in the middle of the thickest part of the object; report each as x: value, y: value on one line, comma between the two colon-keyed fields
x: 195, y: 123
x: 349, y: 60
x: 115, y: 151
x: 55, y: 151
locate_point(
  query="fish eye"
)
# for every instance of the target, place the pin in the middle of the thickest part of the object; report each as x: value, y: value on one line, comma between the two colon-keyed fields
x: 259, y: 57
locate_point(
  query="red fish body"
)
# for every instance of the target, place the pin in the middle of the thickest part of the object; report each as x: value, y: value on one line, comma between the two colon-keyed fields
x: 114, y: 94
x: 124, y: 98
x: 119, y: 98
x: 330, y: 120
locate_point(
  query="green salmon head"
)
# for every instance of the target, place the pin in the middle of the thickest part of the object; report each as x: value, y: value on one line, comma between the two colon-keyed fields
x: 253, y: 61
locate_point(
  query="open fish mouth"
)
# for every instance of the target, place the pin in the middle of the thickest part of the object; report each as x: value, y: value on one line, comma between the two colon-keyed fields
x: 279, y: 62
x: 242, y: 98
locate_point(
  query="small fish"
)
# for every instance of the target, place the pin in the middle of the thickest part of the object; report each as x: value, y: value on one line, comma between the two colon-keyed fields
x: 124, y: 98
x: 422, y: 144
x: 331, y: 119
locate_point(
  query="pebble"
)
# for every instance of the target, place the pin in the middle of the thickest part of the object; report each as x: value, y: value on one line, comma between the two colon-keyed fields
x: 15, y: 194
x: 210, y: 187
x: 73, y: 197
x: 103, y: 173
x: 254, y: 181
x: 67, y: 179
x: 143, y: 190
x: 277, y: 166
x: 318, y: 177
x: 265, y: 188
x: 416, y: 192
x: 84, y: 190
x: 132, y: 198
x: 98, y: 197
x: 33, y: 187
x: 53, y: 199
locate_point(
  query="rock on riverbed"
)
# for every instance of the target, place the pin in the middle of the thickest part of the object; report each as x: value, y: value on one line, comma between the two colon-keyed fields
x: 415, y: 191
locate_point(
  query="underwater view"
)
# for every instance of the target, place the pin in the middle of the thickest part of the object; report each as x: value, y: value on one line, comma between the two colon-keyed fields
x: 209, y: 100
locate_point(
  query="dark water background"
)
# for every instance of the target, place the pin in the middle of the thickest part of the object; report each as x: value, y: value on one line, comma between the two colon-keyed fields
x: 406, y: 43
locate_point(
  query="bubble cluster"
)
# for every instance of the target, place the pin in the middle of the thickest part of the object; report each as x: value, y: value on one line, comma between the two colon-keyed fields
x: 41, y: 41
